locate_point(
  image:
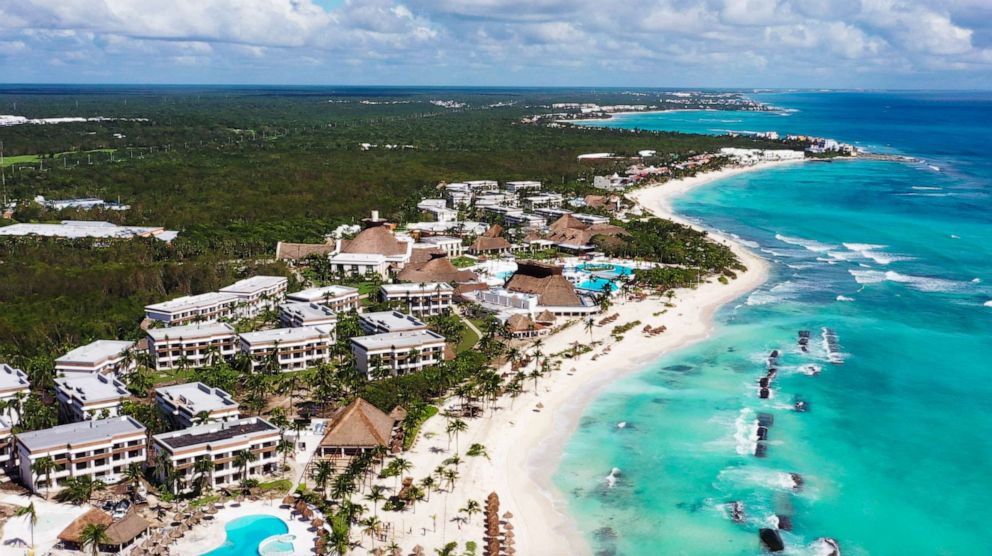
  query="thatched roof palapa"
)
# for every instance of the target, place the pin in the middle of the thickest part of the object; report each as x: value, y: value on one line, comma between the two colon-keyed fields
x: 126, y: 530
x: 358, y: 424
x: 521, y: 323
x: 483, y: 243
x: 377, y: 240
x: 298, y: 251
x: 438, y: 269
x: 552, y: 289
x: 494, y: 231
x: 73, y: 533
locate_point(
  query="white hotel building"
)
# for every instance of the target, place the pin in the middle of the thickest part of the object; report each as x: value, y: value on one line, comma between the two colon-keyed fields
x: 294, y: 349
x: 219, y: 443
x: 13, y: 382
x: 89, y: 397
x: 101, y: 356
x: 339, y: 299
x: 205, y: 307
x: 194, y: 344
x: 297, y: 314
x: 100, y: 449
x: 258, y: 293
x: 398, y: 352
x: 183, y: 403
x: 382, y: 322
x: 427, y: 298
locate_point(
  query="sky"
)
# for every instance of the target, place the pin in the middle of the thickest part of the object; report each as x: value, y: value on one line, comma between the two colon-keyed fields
x: 915, y: 44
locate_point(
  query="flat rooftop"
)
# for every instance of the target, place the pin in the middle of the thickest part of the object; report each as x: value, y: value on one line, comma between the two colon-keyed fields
x: 254, y: 284
x: 92, y: 388
x: 418, y: 287
x: 440, y: 239
x: 319, y: 294
x: 75, y: 229
x: 198, y: 330
x: 214, y: 432
x: 197, y: 397
x: 11, y: 379
x: 189, y: 302
x: 400, y: 340
x: 393, y: 321
x: 308, y: 311
x: 75, y: 434
x: 284, y: 335
x: 96, y: 352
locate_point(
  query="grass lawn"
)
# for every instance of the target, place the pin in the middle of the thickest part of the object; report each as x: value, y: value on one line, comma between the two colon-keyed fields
x: 32, y: 158
x: 469, y: 339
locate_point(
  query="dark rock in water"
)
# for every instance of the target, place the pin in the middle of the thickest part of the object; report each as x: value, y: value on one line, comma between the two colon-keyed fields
x: 802, y: 406
x: 760, y: 450
x: 762, y: 433
x: 766, y: 419
x: 772, y: 540
x: 678, y: 368
x: 764, y: 382
x: 773, y: 354
x: 736, y: 511
x: 731, y: 349
x: 772, y: 372
x: 834, y: 545
x: 784, y: 522
x: 797, y: 481
x: 764, y: 393
x: 605, y: 534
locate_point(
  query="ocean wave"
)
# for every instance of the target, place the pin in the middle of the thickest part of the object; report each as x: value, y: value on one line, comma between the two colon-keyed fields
x: 873, y: 251
x: 808, y: 244
x: 759, y: 297
x: 924, y: 194
x: 844, y: 298
x: 779, y: 480
x: 926, y: 188
x: 987, y: 303
x: 746, y: 432
x: 745, y: 242
x: 919, y: 283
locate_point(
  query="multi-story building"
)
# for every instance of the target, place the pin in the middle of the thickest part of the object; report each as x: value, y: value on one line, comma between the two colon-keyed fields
x: 205, y: 307
x: 389, y: 321
x: 289, y: 349
x: 430, y: 298
x: 13, y: 384
x: 85, y: 397
x: 300, y: 313
x: 193, y: 402
x: 523, y: 220
x: 495, y: 198
x: 452, y: 246
x: 518, y: 186
x: 483, y: 185
x: 258, y: 293
x: 350, y: 264
x: 101, y: 356
x: 218, y: 443
x: 544, y: 200
x: 439, y: 208
x: 101, y: 449
x: 192, y: 346
x: 397, y: 353
x: 336, y: 298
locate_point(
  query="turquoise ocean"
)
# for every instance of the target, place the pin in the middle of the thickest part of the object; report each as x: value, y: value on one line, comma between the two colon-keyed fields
x: 894, y: 449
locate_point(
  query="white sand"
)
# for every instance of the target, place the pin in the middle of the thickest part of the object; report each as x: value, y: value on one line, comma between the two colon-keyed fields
x: 210, y: 534
x: 525, y: 445
x: 53, y: 518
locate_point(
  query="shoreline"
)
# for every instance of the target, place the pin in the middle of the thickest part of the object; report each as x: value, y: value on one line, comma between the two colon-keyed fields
x: 526, y: 436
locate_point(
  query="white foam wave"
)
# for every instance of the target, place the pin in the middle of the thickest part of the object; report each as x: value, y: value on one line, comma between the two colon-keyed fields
x: 987, y: 303
x: 778, y: 480
x: 760, y: 297
x: 746, y: 432
x: 871, y: 251
x: 611, y: 479
x: 926, y: 188
x: 844, y: 298
x: 919, y: 283
x: 808, y: 244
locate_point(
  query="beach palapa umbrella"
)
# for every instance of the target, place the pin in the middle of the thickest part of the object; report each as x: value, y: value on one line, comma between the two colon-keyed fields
x: 317, y: 523
x: 418, y: 550
x: 507, y: 515
x: 508, y: 527
x: 288, y: 500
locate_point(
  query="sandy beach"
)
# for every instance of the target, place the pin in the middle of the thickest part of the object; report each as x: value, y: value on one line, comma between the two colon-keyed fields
x: 524, y: 442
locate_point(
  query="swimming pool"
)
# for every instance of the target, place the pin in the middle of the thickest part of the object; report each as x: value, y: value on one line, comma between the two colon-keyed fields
x: 245, y: 534
x: 598, y: 285
x: 605, y: 269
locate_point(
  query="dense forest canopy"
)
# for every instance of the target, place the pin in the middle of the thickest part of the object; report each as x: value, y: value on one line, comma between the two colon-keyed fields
x: 235, y: 170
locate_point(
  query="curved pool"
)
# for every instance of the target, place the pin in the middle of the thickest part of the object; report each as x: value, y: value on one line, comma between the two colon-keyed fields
x: 245, y: 534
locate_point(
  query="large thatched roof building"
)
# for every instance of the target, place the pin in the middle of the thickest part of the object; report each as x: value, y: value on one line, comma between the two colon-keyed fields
x: 357, y: 427
x: 546, y: 282
x: 437, y: 269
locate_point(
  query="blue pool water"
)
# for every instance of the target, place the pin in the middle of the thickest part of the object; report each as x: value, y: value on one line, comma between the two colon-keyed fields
x: 894, y: 450
x: 616, y: 269
x: 246, y: 533
x: 597, y: 285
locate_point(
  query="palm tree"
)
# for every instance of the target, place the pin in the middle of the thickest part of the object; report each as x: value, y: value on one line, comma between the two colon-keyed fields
x: 201, y: 417
x: 321, y: 474
x: 477, y: 450
x: 29, y: 512
x: 92, y: 536
x: 242, y: 459
x: 372, y: 528
x: 375, y: 496
x: 44, y: 466
x: 79, y: 490
x: 132, y: 476
x: 286, y: 448
x: 455, y: 427
x: 447, y: 550
x: 343, y: 488
x: 471, y: 508
x: 428, y: 483
x: 451, y: 475
x: 589, y: 325
x: 204, y: 469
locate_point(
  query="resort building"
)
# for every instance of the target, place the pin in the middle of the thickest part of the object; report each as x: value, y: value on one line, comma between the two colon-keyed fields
x: 336, y: 298
x: 191, y: 346
x: 300, y: 251
x: 297, y: 314
x: 439, y: 208
x: 219, y: 443
x: 13, y: 384
x: 195, y: 403
x: 522, y: 326
x: 383, y: 322
x: 101, y: 356
x: 518, y: 186
x: 482, y: 185
x: 372, y: 248
x: 76, y: 229
x: 426, y: 298
x: 524, y: 220
x: 544, y: 200
x: 258, y: 294
x: 360, y: 264
x: 356, y: 428
x: 452, y: 246
x: 117, y: 535
x: 554, y: 292
x: 289, y: 349
x: 397, y: 353
x: 459, y: 194
x: 85, y: 397
x: 495, y: 199
x: 101, y: 449
x: 437, y: 269
x: 572, y: 234
x: 490, y: 246
x: 205, y: 307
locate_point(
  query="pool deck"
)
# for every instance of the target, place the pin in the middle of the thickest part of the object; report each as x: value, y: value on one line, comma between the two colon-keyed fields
x: 210, y: 535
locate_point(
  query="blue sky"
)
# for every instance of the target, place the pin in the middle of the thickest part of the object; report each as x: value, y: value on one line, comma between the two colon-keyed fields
x: 664, y: 43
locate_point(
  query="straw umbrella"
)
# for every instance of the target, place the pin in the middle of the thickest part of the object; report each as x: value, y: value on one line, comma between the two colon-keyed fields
x: 288, y: 500
x: 418, y: 550
x: 507, y: 515
x: 317, y: 523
